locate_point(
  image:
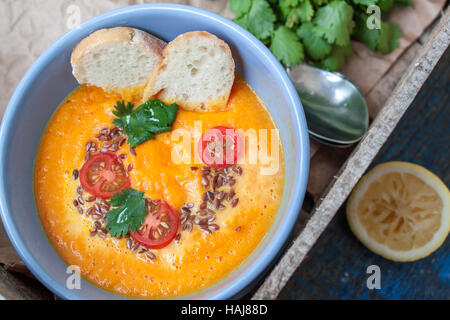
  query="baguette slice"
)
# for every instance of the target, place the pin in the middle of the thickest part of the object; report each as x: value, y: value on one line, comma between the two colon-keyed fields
x: 197, y: 73
x: 116, y: 58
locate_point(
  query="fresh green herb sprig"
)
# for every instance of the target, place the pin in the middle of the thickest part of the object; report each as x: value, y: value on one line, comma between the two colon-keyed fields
x: 128, y: 214
x: 317, y: 30
x: 148, y: 119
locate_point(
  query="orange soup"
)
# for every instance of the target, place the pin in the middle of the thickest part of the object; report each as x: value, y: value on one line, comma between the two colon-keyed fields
x: 197, y: 258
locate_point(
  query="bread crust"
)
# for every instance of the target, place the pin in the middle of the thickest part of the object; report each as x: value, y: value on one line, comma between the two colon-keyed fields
x: 218, y: 104
x: 136, y: 37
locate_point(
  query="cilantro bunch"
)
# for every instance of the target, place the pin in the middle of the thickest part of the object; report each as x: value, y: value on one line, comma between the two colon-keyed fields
x: 317, y: 30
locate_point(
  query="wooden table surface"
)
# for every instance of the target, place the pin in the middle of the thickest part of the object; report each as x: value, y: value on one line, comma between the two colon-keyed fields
x: 336, y: 266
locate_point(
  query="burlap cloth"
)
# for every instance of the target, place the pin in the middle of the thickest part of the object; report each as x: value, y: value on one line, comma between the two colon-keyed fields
x: 28, y: 27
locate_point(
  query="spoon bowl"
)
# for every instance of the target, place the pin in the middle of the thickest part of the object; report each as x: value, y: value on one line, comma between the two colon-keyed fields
x: 335, y: 109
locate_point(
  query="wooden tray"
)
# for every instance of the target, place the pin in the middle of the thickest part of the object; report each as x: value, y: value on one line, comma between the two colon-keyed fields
x: 420, y: 61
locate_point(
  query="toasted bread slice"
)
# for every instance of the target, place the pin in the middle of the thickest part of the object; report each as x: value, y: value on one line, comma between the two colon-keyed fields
x: 197, y: 73
x: 116, y: 58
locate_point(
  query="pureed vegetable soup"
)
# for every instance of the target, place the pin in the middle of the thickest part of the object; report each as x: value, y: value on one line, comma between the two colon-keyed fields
x: 212, y: 218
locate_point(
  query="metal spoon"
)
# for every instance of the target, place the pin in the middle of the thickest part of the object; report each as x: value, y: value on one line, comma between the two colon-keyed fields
x: 335, y: 109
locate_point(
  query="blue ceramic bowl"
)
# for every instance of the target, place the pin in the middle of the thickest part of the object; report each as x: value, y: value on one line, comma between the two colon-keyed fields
x: 50, y: 80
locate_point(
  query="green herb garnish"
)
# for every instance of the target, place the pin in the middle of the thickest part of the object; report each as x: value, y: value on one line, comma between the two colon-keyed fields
x: 129, y: 212
x: 147, y: 120
x: 317, y: 30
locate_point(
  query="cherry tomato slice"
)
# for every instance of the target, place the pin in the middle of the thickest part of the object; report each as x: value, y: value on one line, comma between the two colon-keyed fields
x: 160, y: 226
x: 220, y: 147
x: 103, y: 174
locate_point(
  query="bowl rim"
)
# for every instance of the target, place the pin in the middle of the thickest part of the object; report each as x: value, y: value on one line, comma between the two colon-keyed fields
x: 300, y: 135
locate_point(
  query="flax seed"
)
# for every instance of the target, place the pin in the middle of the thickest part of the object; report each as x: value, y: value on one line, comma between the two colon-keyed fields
x: 205, y: 181
x: 150, y: 255
x: 75, y: 202
x: 133, y: 152
x: 206, y: 230
x: 105, y: 204
x: 130, y: 167
x: 238, y: 170
x: 206, y: 170
x: 91, y: 199
x: 235, y: 202
x: 101, y: 234
x: 114, y: 148
x: 89, y: 145
x: 75, y: 174
x: 96, y: 216
x: 220, y: 195
x: 213, y: 227
x: 114, y: 131
x: 143, y: 249
x: 90, y: 211
x: 185, y: 210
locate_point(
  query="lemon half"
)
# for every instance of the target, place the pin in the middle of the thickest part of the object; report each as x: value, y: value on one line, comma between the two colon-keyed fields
x: 400, y: 211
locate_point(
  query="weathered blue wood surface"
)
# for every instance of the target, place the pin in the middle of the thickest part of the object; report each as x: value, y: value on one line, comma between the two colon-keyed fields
x: 336, y: 266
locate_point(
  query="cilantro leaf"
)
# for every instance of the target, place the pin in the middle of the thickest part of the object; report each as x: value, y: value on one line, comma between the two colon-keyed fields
x: 385, y: 5
x: 316, y: 47
x: 389, y: 35
x: 240, y: 7
x: 259, y: 20
x: 147, y: 120
x: 122, y: 109
x: 302, y: 13
x: 365, y: 2
x: 404, y: 3
x: 334, y: 22
x: 337, y: 58
x: 289, y: 3
x: 286, y: 46
x: 129, y: 212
